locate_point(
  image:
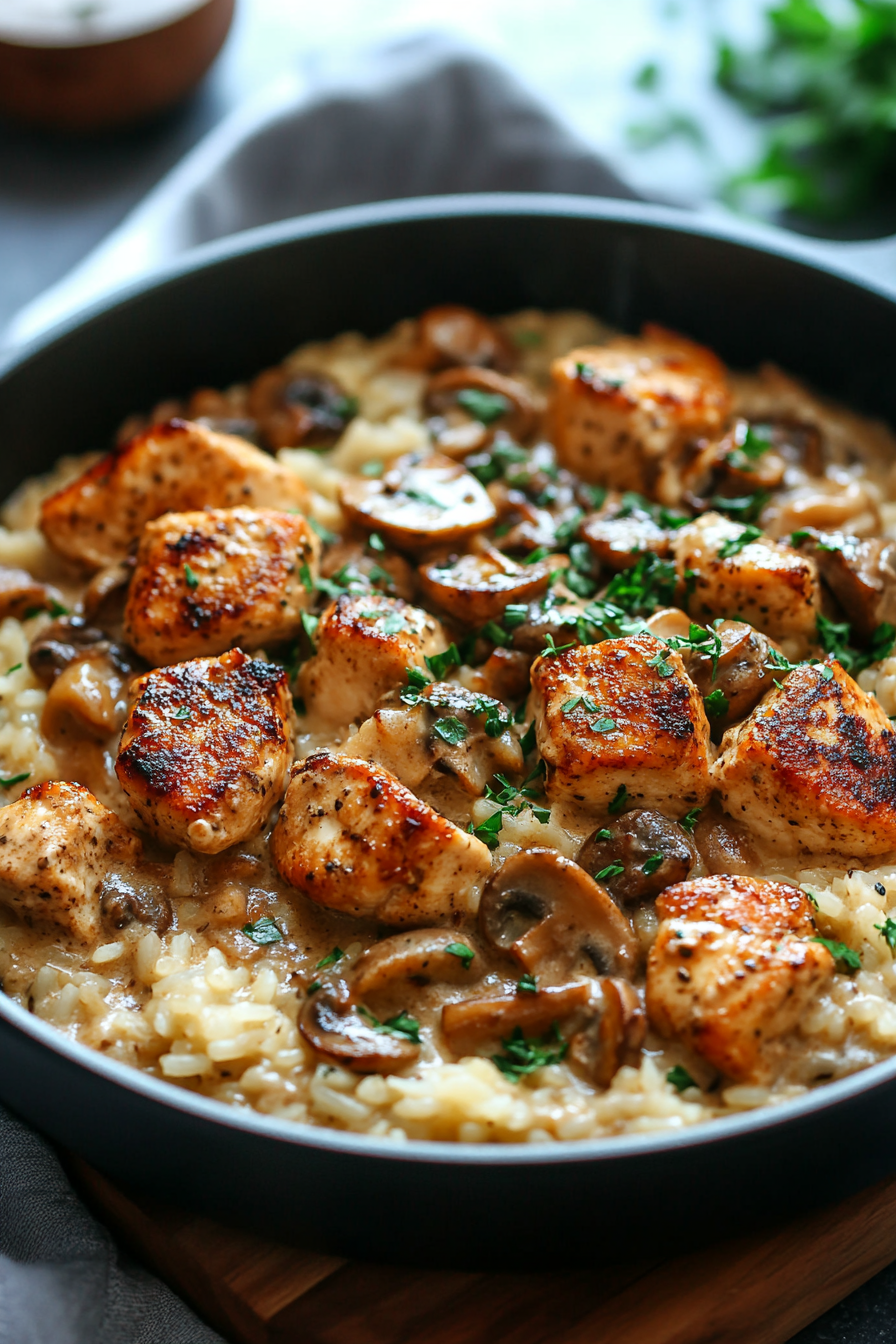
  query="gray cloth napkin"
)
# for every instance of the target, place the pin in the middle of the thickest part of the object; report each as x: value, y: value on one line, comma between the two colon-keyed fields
x: 423, y: 118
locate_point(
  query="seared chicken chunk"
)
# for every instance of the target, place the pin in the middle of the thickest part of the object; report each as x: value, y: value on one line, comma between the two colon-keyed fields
x: 207, y: 581
x: 58, y: 846
x: 733, y: 968
x: 96, y: 520
x: 365, y: 644
x: 450, y: 730
x: 621, y: 722
x: 728, y: 571
x: 624, y: 411
x: 353, y: 838
x: 813, y: 767
x: 206, y: 749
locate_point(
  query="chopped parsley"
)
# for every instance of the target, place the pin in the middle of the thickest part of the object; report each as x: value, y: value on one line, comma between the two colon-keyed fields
x: 887, y: 931
x: 486, y: 407
x: 376, y: 543
x: 12, y: 780
x: 371, y: 468
x: 551, y: 649
x: 604, y: 834
x: 439, y: 663
x: 798, y: 537
x: 330, y: 959
x: 689, y: 820
x: 702, y: 641
x: 191, y: 576
x: 735, y: 544
x: 491, y: 466
x: 417, y: 682
x: 15, y: 667
x: 649, y: 867
x: 752, y: 443
x: 812, y: 899
x: 263, y: 931
x: 182, y: 713
x: 649, y: 584
x: 611, y: 870
x: 659, y: 661
x: 602, y: 725
x: 402, y: 1024
x: 522, y: 1056
x: 745, y: 508
x: 511, y: 801
x: 313, y: 987
x: 538, y: 554
x: 450, y: 730
x: 833, y: 636
x: 680, y: 1079
x: 619, y: 801
x: 574, y: 701
x: 326, y: 536
x: 309, y: 625
x: 844, y: 956
x: 487, y: 831
x: 716, y: 704
x: 527, y: 984
x: 463, y: 953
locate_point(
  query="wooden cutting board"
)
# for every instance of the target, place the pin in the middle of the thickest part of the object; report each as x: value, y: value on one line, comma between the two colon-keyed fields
x: 760, y: 1289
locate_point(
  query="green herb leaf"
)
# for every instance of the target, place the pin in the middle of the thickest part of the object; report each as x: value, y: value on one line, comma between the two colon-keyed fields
x: 313, y: 987
x: 263, y: 931
x: 649, y: 867
x: 689, y: 820
x: 450, y: 730
x: 439, y: 663
x: 649, y: 584
x: 604, y: 834
x: 182, y: 713
x: 330, y: 959
x: 735, y: 544
x: 619, y: 801
x: 680, y: 1079
x: 326, y: 536
x: 716, y: 704
x: 551, y: 649
x: 844, y: 956
x: 371, y: 469
x: 801, y: 535
x: 486, y: 407
x: 522, y: 1056
x: 527, y: 741
x: 402, y: 1024
x: 376, y: 543
x: 15, y: 667
x: 462, y: 952
x: 309, y: 625
x: 887, y: 931
x: 487, y: 831
x: 745, y: 508
x: 602, y: 725
x: 12, y: 780
x: 611, y: 870
x: 191, y: 576
x: 527, y: 984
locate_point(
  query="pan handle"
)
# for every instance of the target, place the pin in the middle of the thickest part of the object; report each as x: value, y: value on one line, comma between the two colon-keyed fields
x: 873, y: 261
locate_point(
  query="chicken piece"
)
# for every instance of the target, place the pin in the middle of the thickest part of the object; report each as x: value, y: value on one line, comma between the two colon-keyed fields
x: 207, y: 581
x: 58, y: 845
x: 861, y: 573
x: 733, y: 968
x: 365, y: 644
x: 813, y: 767
x: 96, y: 520
x: 354, y: 839
x: 624, y: 411
x: 206, y: 749
x: 450, y: 730
x: 730, y: 572
x: 621, y: 723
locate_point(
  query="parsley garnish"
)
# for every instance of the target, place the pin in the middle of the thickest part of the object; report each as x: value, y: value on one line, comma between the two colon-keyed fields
x: 376, y: 543
x: 15, y: 779
x: 689, y: 820
x: 602, y: 725
x: 522, y: 1057
x: 735, y: 544
x: 611, y: 870
x: 649, y: 584
x: 551, y: 649
x: 326, y: 536
x: 402, y: 1024
x: 486, y: 407
x: 745, y: 509
x: 487, y: 831
x: 649, y: 867
x: 182, y: 713
x: 680, y: 1078
x: 450, y: 730
x: 417, y: 681
x: 833, y: 636
x: 15, y: 667
x: 371, y: 468
x: 843, y: 955
x: 708, y: 643
x: 659, y: 661
x: 313, y: 987
x: 309, y: 625
x: 887, y: 931
x: 619, y: 801
x: 527, y: 984
x: 716, y: 704
x: 330, y: 959
x: 527, y: 741
x: 491, y: 466
x: 584, y: 700
x: 462, y: 952
x: 439, y: 663
x: 604, y: 834
x: 191, y: 576
x: 263, y: 931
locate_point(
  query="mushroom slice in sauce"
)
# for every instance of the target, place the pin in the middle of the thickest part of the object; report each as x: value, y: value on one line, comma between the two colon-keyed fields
x: 332, y: 1023
x: 87, y: 676
x: 861, y: 573
x: 734, y: 665
x: 467, y: 406
x: 124, y: 901
x: 551, y: 917
x: 22, y: 595
x: 638, y: 855
x: 620, y: 534
x: 295, y: 406
x: 450, y: 335
x: 419, y: 957
x: 477, y: 588
x: 423, y: 500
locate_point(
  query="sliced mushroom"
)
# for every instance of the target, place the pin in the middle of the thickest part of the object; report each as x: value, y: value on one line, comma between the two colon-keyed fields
x: 477, y: 588
x: 850, y: 504
x: 87, y: 676
x: 466, y: 407
x: 332, y: 1023
x: 419, y: 957
x: 723, y: 845
x: 621, y: 533
x: 504, y: 675
x: 860, y: 573
x: 552, y: 917
x: 105, y: 584
x: 556, y: 616
x: 293, y: 406
x: 652, y: 851
x: 746, y: 459
x: 422, y: 501
x: 740, y: 670
x: 593, y: 1024
x: 21, y: 595
x: 123, y: 901
x: 451, y: 334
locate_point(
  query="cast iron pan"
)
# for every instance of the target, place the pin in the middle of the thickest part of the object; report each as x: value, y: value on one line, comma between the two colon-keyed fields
x: 243, y: 305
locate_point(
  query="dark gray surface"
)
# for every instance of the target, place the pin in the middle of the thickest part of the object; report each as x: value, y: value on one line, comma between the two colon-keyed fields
x: 56, y: 200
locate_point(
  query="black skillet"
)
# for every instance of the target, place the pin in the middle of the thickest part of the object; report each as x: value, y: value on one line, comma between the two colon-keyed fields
x: 231, y: 310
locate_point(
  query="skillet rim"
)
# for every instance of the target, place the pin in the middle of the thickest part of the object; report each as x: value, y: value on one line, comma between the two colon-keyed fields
x: 157, y: 1091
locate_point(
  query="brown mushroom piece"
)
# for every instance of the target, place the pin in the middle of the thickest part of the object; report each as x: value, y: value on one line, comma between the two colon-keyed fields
x: 332, y: 1023
x: 21, y: 595
x: 87, y: 675
x: 553, y: 918
x: 122, y: 902
x: 860, y: 572
x: 724, y: 846
x: 555, y: 618
x: 417, y: 958
x: 467, y: 407
x: 590, y: 1023
x: 351, y: 563
x: 450, y: 335
x: 106, y: 584
x: 745, y: 460
x: 424, y: 500
x: 737, y: 668
x: 477, y: 588
x: 296, y: 406
x: 638, y: 855
x: 621, y: 533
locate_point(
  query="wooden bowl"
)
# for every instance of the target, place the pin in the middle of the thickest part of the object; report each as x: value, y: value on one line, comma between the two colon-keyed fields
x: 105, y: 84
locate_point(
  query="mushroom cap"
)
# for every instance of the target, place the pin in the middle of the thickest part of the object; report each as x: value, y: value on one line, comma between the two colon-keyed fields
x: 519, y: 419
x: 331, y: 1023
x: 473, y: 1023
x: 421, y: 957
x: 550, y: 915
x: 634, y: 840
x: 422, y: 501
x: 451, y: 334
x: 477, y: 588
